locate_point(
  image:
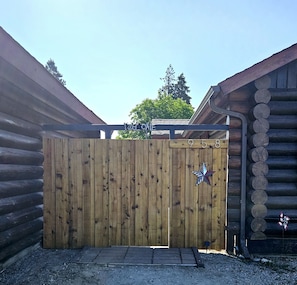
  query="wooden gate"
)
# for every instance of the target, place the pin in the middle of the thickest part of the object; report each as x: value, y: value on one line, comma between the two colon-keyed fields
x: 117, y: 192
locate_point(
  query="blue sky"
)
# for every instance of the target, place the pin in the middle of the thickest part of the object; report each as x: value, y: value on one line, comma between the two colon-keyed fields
x: 112, y: 53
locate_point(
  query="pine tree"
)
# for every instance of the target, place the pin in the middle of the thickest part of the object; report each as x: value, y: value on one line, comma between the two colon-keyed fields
x: 169, y: 81
x: 53, y: 70
x: 181, y: 90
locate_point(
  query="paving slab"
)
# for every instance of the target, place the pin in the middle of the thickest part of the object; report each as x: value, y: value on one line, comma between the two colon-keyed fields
x: 126, y: 255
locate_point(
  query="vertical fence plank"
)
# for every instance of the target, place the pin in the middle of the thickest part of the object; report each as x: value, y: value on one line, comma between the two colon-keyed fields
x: 115, y: 177
x: 216, y: 196
x: 166, y: 185
x: 125, y: 192
x: 76, y: 198
x: 178, y: 187
x: 145, y: 193
x: 62, y: 212
x: 223, y: 194
x: 205, y: 191
x: 141, y: 188
x: 49, y: 205
x: 158, y: 190
x: 101, y: 194
x: 138, y: 193
x: 88, y: 191
x: 152, y: 192
x: 191, y: 199
x: 132, y: 193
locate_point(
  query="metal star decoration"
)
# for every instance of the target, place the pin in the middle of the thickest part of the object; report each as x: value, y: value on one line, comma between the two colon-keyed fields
x: 203, y: 175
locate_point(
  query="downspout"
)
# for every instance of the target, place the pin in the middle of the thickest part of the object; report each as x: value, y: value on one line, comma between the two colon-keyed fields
x: 215, y: 90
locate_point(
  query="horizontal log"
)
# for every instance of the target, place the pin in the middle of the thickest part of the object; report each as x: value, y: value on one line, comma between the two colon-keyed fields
x: 258, y: 225
x: 258, y: 168
x: 12, y: 140
x: 234, y: 175
x: 18, y: 126
x: 233, y: 202
x: 263, y: 83
x: 258, y: 196
x: 282, y: 149
x: 258, y: 211
x: 260, y: 139
x: 19, y: 217
x: 282, y: 108
x: 16, y: 247
x: 259, y: 126
x: 281, y: 202
x: 282, y: 175
x: 260, y: 111
x: 20, y: 187
x: 282, y: 189
x: 234, y: 161
x: 279, y: 245
x: 275, y: 213
x: 234, y: 123
x: 21, y: 231
x: 282, y: 162
x: 276, y: 230
x: 233, y: 227
x: 282, y: 122
x: 20, y: 172
x: 283, y: 95
x: 18, y: 156
x: 262, y: 96
x: 258, y: 236
x: 258, y: 182
x: 233, y: 215
x: 282, y: 135
x: 258, y: 154
x: 235, y: 135
x: 234, y: 188
x: 234, y: 148
x: 11, y: 204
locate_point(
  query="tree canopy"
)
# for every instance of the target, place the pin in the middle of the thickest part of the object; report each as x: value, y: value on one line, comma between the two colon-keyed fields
x: 177, y: 88
x: 164, y: 107
x: 173, y: 102
x: 53, y: 70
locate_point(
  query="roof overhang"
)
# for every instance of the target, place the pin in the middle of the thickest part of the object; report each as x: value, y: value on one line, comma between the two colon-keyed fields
x: 23, y: 72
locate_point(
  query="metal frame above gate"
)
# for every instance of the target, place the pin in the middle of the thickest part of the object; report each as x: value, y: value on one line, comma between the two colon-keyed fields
x: 108, y: 129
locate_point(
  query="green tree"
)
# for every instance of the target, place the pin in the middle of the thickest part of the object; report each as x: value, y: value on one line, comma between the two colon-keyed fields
x: 176, y: 88
x: 53, y: 70
x: 164, y: 107
x: 169, y: 81
x: 181, y: 90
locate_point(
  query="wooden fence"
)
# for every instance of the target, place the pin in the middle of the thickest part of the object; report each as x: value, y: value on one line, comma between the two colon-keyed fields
x: 116, y: 192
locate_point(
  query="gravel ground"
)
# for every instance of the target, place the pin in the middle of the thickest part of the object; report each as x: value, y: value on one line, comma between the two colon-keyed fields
x: 43, y: 266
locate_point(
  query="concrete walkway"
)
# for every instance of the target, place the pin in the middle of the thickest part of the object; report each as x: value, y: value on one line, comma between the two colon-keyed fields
x: 125, y: 255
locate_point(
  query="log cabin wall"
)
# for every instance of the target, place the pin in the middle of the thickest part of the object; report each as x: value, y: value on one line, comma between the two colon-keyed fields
x: 21, y: 185
x: 266, y: 93
x: 278, y: 192
x: 29, y: 98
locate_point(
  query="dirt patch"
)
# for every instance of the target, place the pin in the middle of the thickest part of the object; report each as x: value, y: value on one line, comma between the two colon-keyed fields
x: 43, y: 266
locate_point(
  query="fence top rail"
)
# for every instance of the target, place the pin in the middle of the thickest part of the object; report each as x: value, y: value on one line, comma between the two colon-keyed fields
x: 108, y: 129
x: 102, y: 127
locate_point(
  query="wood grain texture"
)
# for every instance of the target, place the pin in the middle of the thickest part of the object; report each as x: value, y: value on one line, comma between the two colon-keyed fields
x: 112, y: 192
